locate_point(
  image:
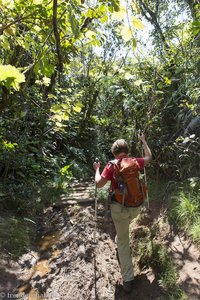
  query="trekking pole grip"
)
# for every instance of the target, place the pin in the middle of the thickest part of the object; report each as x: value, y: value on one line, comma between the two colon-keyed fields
x: 140, y: 132
x: 97, y: 162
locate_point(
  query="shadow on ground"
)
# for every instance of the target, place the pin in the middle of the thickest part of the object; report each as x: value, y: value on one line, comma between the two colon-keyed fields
x: 142, y: 289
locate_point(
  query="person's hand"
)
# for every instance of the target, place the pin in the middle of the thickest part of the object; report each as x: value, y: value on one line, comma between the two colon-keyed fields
x: 141, y: 137
x: 96, y: 165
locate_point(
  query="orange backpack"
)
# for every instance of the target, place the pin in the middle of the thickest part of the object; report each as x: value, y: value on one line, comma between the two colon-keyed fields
x: 131, y: 190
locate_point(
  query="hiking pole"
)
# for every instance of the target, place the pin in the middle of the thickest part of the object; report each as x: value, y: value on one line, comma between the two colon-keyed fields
x: 95, y: 207
x: 95, y: 241
x: 145, y: 174
x: 145, y: 180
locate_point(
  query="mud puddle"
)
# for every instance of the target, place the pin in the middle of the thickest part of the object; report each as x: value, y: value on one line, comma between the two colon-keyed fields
x: 68, y: 264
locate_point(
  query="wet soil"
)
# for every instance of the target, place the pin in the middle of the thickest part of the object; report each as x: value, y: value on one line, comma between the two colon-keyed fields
x: 75, y: 257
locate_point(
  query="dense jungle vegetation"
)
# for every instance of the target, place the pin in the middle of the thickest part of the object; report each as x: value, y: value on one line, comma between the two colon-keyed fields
x: 74, y: 76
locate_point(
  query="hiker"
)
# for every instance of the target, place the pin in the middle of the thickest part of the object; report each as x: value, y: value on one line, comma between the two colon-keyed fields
x: 121, y: 214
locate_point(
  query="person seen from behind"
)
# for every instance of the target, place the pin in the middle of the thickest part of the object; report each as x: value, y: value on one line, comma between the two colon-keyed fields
x: 122, y: 217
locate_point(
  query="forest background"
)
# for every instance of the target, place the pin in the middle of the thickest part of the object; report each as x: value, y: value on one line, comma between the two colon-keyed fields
x: 76, y: 75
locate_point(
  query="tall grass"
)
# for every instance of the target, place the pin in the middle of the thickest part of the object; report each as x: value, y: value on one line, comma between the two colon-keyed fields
x: 14, y: 235
x: 185, y: 209
x: 155, y: 255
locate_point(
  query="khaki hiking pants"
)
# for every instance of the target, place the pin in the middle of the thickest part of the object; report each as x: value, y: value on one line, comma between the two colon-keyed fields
x: 122, y: 220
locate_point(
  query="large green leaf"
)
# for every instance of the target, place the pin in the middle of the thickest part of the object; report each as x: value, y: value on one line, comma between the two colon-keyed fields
x: 116, y: 5
x: 126, y: 33
x: 137, y: 23
x: 11, y: 77
x: 119, y: 15
x: 74, y: 24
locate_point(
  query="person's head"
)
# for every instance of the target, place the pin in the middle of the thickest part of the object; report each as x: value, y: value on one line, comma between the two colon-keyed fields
x: 119, y: 146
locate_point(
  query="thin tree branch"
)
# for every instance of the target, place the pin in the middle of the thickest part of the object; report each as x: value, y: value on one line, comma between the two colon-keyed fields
x: 153, y: 19
x: 19, y: 19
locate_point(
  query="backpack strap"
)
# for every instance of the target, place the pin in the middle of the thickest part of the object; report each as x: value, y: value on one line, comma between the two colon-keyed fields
x: 115, y: 162
x: 123, y: 199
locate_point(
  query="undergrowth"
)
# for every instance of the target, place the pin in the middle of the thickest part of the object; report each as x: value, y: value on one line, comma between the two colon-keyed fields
x: 21, y: 205
x: 185, y: 208
x: 155, y: 255
x: 182, y: 200
x: 14, y: 235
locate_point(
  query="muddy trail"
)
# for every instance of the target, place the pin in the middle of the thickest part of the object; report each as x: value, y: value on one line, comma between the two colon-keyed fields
x: 67, y: 264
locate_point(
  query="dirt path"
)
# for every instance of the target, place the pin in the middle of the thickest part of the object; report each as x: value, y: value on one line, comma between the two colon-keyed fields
x: 66, y: 264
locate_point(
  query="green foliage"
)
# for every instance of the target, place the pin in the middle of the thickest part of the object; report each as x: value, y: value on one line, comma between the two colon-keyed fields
x: 155, y: 255
x: 102, y: 194
x: 194, y: 231
x: 63, y: 178
x: 70, y: 87
x: 185, y: 208
x: 7, y: 147
x: 168, y: 276
x: 14, y: 235
x: 74, y: 78
x: 143, y: 247
x: 11, y: 77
